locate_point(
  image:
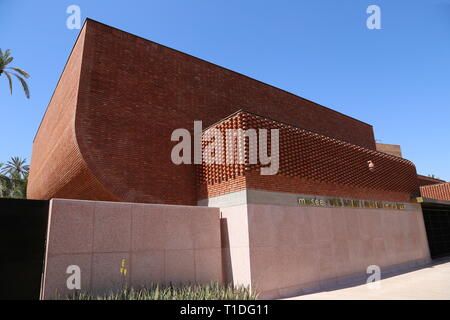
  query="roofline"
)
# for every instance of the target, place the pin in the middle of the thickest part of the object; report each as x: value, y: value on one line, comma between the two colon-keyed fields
x: 435, y: 185
x: 216, y: 65
x: 304, y: 129
x: 439, y: 181
x: 189, y: 55
x: 389, y: 144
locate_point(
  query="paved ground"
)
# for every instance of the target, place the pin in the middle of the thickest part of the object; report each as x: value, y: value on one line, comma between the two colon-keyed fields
x: 432, y: 282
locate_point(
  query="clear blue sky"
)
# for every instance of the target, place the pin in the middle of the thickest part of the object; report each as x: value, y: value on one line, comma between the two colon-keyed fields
x: 396, y: 79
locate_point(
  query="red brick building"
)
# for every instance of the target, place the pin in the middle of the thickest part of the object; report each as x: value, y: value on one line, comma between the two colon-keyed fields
x: 336, y: 204
x: 106, y: 134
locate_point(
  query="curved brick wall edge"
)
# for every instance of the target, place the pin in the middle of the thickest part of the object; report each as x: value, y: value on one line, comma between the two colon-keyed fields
x: 58, y: 168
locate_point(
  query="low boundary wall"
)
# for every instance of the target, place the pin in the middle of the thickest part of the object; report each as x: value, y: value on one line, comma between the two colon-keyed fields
x: 118, y: 244
x: 265, y: 240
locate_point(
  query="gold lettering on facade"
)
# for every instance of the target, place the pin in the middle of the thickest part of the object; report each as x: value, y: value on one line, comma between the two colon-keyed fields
x: 350, y: 203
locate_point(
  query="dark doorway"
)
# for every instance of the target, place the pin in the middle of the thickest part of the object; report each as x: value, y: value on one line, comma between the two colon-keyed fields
x: 23, y: 228
x: 437, y: 224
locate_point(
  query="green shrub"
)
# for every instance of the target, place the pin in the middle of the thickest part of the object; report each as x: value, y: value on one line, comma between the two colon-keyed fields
x: 213, y: 291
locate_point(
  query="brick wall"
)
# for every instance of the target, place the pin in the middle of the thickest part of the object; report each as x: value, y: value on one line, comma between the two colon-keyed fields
x: 436, y: 191
x: 393, y: 149
x: 57, y: 166
x: 106, y: 133
x: 310, y: 163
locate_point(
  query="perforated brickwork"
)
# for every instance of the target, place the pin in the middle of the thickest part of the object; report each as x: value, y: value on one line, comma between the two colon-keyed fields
x: 308, y: 163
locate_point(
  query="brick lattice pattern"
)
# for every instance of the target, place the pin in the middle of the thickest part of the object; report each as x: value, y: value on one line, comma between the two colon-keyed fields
x: 309, y: 163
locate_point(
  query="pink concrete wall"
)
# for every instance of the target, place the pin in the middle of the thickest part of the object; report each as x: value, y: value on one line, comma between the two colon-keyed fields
x: 160, y: 243
x: 293, y: 250
x: 235, y: 245
x: 278, y: 250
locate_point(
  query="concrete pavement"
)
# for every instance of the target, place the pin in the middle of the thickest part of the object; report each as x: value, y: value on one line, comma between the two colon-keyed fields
x: 431, y: 282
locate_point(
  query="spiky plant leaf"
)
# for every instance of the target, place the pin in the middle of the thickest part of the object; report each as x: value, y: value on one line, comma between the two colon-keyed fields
x: 213, y: 291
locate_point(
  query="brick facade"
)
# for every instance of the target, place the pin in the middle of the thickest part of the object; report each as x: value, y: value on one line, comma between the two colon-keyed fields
x: 393, y: 149
x: 58, y: 168
x: 106, y: 133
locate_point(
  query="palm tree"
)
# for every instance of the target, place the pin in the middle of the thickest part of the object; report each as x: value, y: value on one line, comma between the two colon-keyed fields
x: 16, y: 167
x: 14, y: 179
x: 5, y: 184
x: 18, y: 186
x: 6, y: 59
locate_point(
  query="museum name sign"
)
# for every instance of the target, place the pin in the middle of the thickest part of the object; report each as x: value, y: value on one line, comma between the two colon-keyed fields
x: 349, y: 203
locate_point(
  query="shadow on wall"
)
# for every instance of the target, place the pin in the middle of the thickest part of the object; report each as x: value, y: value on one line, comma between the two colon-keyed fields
x: 226, y: 253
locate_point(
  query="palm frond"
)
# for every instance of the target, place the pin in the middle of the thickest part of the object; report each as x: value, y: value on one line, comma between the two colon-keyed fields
x: 6, y: 54
x: 16, y: 168
x: 20, y: 71
x: 9, y: 79
x: 4, y: 57
x: 4, y: 171
x: 20, y: 74
x: 8, y: 61
x: 24, y: 85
